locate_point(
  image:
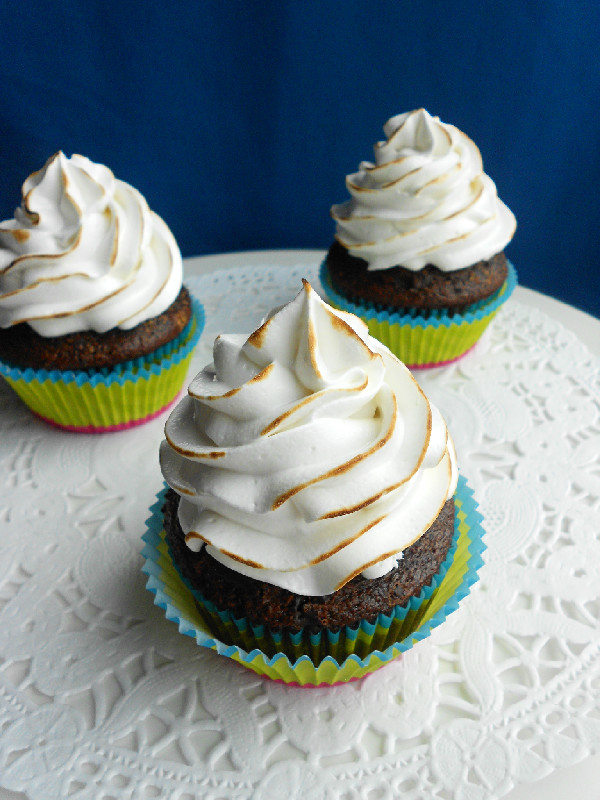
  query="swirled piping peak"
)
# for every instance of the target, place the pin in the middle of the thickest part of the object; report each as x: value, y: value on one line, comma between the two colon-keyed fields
x: 424, y: 200
x: 306, y: 453
x: 84, y: 252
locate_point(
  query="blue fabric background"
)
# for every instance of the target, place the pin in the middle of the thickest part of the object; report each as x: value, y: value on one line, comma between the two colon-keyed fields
x: 239, y: 120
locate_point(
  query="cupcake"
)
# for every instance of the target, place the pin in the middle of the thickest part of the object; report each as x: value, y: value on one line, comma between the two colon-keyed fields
x: 96, y: 330
x: 419, y: 247
x: 312, y: 512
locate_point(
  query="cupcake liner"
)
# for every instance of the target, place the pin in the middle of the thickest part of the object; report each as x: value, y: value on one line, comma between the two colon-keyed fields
x: 94, y: 401
x: 323, y: 658
x: 425, y: 341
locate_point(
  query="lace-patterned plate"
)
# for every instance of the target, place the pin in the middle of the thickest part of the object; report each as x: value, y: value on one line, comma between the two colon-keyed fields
x: 101, y: 697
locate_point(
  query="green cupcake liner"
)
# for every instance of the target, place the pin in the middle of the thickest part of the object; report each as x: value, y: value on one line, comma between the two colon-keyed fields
x: 91, y: 401
x: 425, y: 341
x: 324, y: 658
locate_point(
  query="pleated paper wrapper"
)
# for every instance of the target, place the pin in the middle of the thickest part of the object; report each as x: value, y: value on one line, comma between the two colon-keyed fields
x: 325, y: 658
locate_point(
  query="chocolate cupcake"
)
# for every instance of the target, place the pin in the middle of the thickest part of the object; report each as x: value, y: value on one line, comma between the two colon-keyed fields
x: 96, y: 330
x: 311, y: 512
x: 419, y: 250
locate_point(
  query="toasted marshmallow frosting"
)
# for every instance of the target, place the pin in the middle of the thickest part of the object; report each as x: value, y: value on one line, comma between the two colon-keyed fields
x: 307, y: 454
x: 84, y: 252
x: 425, y: 200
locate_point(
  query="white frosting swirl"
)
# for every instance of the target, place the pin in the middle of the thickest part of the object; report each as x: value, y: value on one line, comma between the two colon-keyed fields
x: 307, y: 454
x: 84, y: 252
x: 425, y: 200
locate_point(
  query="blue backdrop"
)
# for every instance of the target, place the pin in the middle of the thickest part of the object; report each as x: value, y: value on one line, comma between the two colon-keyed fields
x: 239, y: 120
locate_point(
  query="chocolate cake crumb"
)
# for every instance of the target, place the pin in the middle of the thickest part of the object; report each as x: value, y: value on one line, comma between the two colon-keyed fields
x: 21, y: 346
x: 280, y: 609
x: 427, y: 289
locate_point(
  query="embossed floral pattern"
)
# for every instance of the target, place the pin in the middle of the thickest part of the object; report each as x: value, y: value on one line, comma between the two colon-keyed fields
x: 101, y: 696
